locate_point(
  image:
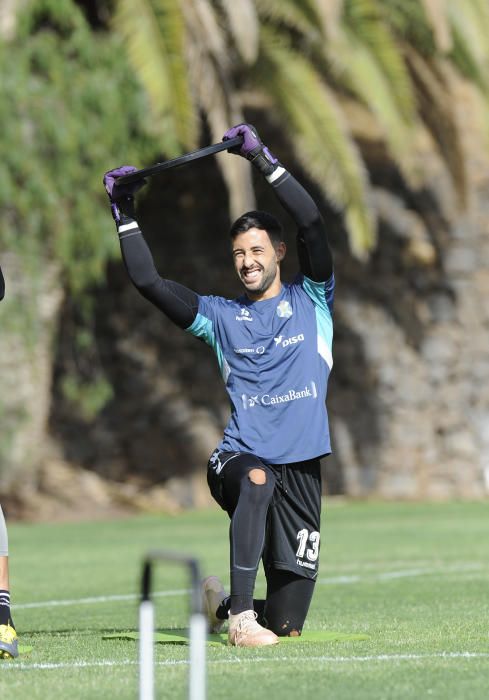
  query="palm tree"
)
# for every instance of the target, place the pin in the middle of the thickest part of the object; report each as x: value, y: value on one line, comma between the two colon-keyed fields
x: 309, y: 61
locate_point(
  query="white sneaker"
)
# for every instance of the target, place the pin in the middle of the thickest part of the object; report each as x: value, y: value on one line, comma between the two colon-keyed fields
x: 213, y: 594
x: 244, y: 631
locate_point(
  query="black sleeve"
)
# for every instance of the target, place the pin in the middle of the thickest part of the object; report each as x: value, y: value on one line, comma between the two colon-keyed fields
x: 177, y: 302
x: 2, y: 285
x: 315, y: 257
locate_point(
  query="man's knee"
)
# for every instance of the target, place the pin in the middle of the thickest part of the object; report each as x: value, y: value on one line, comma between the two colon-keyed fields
x: 286, y: 628
x: 258, y: 486
x: 257, y: 476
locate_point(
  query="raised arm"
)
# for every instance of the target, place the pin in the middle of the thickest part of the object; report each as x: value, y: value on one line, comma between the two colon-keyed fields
x: 177, y: 302
x: 314, y: 253
x: 315, y: 257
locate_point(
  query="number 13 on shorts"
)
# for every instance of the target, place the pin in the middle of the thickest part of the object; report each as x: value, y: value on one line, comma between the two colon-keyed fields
x: 306, y: 538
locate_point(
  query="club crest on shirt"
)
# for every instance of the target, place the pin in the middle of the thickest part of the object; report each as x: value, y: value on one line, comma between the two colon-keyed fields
x: 284, y: 309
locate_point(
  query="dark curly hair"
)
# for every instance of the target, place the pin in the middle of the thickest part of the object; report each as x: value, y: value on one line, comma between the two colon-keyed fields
x: 258, y: 219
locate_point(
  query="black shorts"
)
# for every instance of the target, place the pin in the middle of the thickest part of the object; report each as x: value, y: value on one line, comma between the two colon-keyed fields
x: 293, y: 520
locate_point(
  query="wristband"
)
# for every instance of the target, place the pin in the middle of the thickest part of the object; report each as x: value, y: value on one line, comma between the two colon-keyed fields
x: 263, y: 160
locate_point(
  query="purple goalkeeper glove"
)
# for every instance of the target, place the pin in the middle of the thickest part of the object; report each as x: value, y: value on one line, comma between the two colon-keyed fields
x: 121, y: 196
x: 252, y: 148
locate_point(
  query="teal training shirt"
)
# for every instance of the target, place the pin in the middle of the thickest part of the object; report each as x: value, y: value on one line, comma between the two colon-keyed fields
x: 275, y: 358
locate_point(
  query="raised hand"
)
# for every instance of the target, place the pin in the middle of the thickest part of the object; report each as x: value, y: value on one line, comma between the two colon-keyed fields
x: 252, y: 148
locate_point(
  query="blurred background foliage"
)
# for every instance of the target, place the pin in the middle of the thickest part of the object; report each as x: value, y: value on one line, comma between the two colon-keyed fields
x: 305, y: 60
x: 86, y: 86
x: 84, y: 83
x: 61, y: 124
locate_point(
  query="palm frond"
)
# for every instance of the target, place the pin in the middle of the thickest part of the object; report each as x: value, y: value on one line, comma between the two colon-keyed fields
x: 409, y: 24
x: 329, y: 14
x: 242, y: 21
x: 470, y: 26
x: 321, y: 141
x: 466, y: 63
x: 436, y: 12
x: 366, y: 79
x: 153, y: 32
x: 437, y: 110
x: 390, y: 55
x: 367, y: 25
x: 211, y: 36
x: 216, y: 96
x: 300, y: 17
x: 470, y: 53
x: 471, y: 18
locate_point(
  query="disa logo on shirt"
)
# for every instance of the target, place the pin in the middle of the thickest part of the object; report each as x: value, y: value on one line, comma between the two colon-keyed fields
x: 244, y: 315
x: 289, y: 341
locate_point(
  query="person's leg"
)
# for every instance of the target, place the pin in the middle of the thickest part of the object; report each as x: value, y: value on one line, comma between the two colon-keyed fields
x: 251, y: 488
x: 245, y: 491
x: 292, y: 541
x: 286, y: 606
x: 288, y: 599
x: 4, y: 580
x: 8, y: 637
x: 291, y: 555
x: 243, y: 486
x: 4, y: 590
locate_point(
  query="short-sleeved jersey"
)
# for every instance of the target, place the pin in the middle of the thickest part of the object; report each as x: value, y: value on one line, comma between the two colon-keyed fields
x: 275, y: 357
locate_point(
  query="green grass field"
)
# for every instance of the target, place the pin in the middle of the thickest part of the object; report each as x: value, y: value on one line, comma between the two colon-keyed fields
x: 413, y: 577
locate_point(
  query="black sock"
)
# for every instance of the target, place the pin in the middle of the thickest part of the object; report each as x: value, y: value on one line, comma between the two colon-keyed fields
x: 244, y: 582
x: 5, y: 616
x: 222, y: 611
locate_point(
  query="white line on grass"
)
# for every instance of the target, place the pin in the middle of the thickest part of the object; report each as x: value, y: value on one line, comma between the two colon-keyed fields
x: 404, y: 573
x: 97, y: 599
x: 252, y: 660
x: 335, y: 580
